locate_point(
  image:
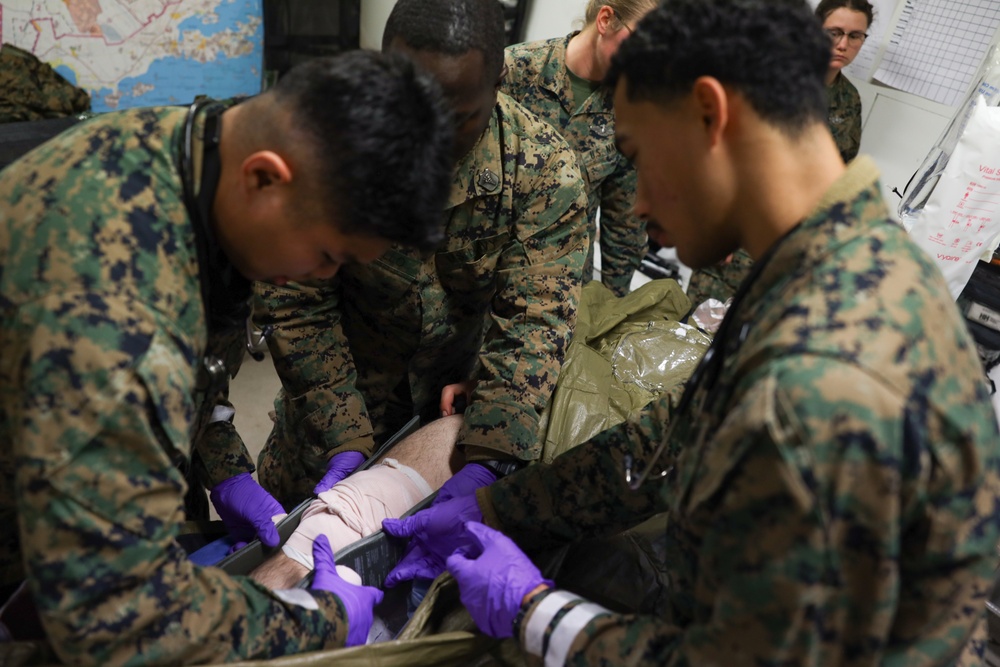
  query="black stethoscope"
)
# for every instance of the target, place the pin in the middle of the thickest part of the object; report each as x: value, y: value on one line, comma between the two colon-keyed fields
x: 199, y: 209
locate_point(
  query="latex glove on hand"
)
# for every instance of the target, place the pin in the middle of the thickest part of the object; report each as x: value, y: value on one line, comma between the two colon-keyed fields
x: 337, y: 468
x: 471, y: 477
x: 435, y: 533
x: 359, y: 601
x: 493, y: 577
x: 246, y: 509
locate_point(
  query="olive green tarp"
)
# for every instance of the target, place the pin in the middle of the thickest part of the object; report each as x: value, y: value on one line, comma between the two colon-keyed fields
x: 625, y: 352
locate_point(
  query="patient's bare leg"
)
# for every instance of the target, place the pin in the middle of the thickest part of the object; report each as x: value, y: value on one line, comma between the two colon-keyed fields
x: 280, y: 572
x: 353, y: 509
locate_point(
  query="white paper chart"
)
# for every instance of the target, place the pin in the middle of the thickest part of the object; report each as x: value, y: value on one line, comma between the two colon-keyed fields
x: 936, y: 47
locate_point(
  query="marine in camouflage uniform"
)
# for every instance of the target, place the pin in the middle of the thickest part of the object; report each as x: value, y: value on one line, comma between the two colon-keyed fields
x: 104, y: 335
x: 359, y: 355
x: 32, y: 90
x: 845, y: 116
x: 832, y: 491
x: 538, y: 78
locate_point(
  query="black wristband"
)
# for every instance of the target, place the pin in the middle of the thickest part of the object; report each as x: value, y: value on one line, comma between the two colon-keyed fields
x: 501, y: 468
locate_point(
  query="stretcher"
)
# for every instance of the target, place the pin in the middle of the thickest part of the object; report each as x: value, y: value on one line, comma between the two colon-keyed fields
x: 372, y: 557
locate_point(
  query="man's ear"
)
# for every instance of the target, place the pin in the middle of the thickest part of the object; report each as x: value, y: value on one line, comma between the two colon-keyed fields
x: 712, y: 103
x: 263, y: 169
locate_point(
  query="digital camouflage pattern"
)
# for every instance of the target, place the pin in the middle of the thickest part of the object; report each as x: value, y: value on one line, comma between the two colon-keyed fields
x: 844, y: 116
x: 720, y: 281
x: 103, y: 333
x: 32, y: 90
x: 537, y: 77
x: 832, y: 496
x: 359, y: 355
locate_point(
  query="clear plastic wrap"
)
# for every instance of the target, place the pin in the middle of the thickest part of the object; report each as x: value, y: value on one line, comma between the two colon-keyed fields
x: 625, y: 353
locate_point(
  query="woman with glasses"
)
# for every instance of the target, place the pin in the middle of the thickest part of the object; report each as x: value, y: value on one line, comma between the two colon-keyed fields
x: 560, y: 80
x: 847, y: 23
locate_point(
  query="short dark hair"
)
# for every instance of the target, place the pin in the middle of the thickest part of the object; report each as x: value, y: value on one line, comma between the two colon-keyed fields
x: 827, y: 7
x: 773, y: 52
x: 451, y: 27
x: 382, y: 137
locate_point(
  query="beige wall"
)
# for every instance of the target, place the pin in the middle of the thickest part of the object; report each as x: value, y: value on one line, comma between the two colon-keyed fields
x: 554, y: 18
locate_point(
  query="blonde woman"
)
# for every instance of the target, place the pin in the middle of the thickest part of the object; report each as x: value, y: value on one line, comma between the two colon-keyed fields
x: 560, y: 80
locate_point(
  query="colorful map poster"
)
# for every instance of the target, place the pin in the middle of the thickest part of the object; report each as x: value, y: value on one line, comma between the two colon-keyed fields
x: 130, y: 53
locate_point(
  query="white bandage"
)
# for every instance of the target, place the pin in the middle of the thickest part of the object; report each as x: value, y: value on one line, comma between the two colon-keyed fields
x: 355, y: 507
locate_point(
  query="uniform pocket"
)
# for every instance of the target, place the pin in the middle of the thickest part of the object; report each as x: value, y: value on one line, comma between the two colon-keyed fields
x: 468, y: 275
x: 599, y: 163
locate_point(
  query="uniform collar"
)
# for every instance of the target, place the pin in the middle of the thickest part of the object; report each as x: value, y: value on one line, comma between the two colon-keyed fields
x: 836, y: 220
x: 553, y: 76
x: 480, y: 172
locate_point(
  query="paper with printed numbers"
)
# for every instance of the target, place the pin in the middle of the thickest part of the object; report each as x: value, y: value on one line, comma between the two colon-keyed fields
x: 962, y: 216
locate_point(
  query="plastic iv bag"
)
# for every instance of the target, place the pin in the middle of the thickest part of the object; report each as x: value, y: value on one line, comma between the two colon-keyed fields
x: 987, y: 86
x: 960, y: 220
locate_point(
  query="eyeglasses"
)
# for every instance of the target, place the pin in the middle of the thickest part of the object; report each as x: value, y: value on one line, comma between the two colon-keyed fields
x: 854, y: 38
x: 623, y: 23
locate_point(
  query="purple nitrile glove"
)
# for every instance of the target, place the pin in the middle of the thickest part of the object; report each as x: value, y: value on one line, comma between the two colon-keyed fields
x: 340, y: 466
x: 493, y: 577
x: 359, y: 601
x: 436, y: 533
x: 471, y: 477
x: 246, y: 509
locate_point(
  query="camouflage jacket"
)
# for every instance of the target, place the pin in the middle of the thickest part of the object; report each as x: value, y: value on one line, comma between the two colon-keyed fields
x: 103, y: 331
x: 844, y: 116
x: 537, y: 78
x: 361, y: 354
x: 831, y: 495
x: 32, y: 90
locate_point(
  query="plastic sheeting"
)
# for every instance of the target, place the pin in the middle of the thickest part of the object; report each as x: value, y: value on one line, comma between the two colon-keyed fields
x: 986, y: 86
x: 625, y: 352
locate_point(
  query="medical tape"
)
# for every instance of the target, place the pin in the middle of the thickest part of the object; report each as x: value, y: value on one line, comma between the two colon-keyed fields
x: 567, y: 630
x: 302, y: 559
x: 538, y: 622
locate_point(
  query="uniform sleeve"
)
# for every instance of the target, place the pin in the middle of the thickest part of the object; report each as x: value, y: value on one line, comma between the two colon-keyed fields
x: 322, y: 408
x: 846, y: 111
x: 534, y: 307
x: 719, y: 281
x: 103, y: 411
x: 582, y: 493
x: 623, y: 235
x: 811, y: 539
x: 220, y: 451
